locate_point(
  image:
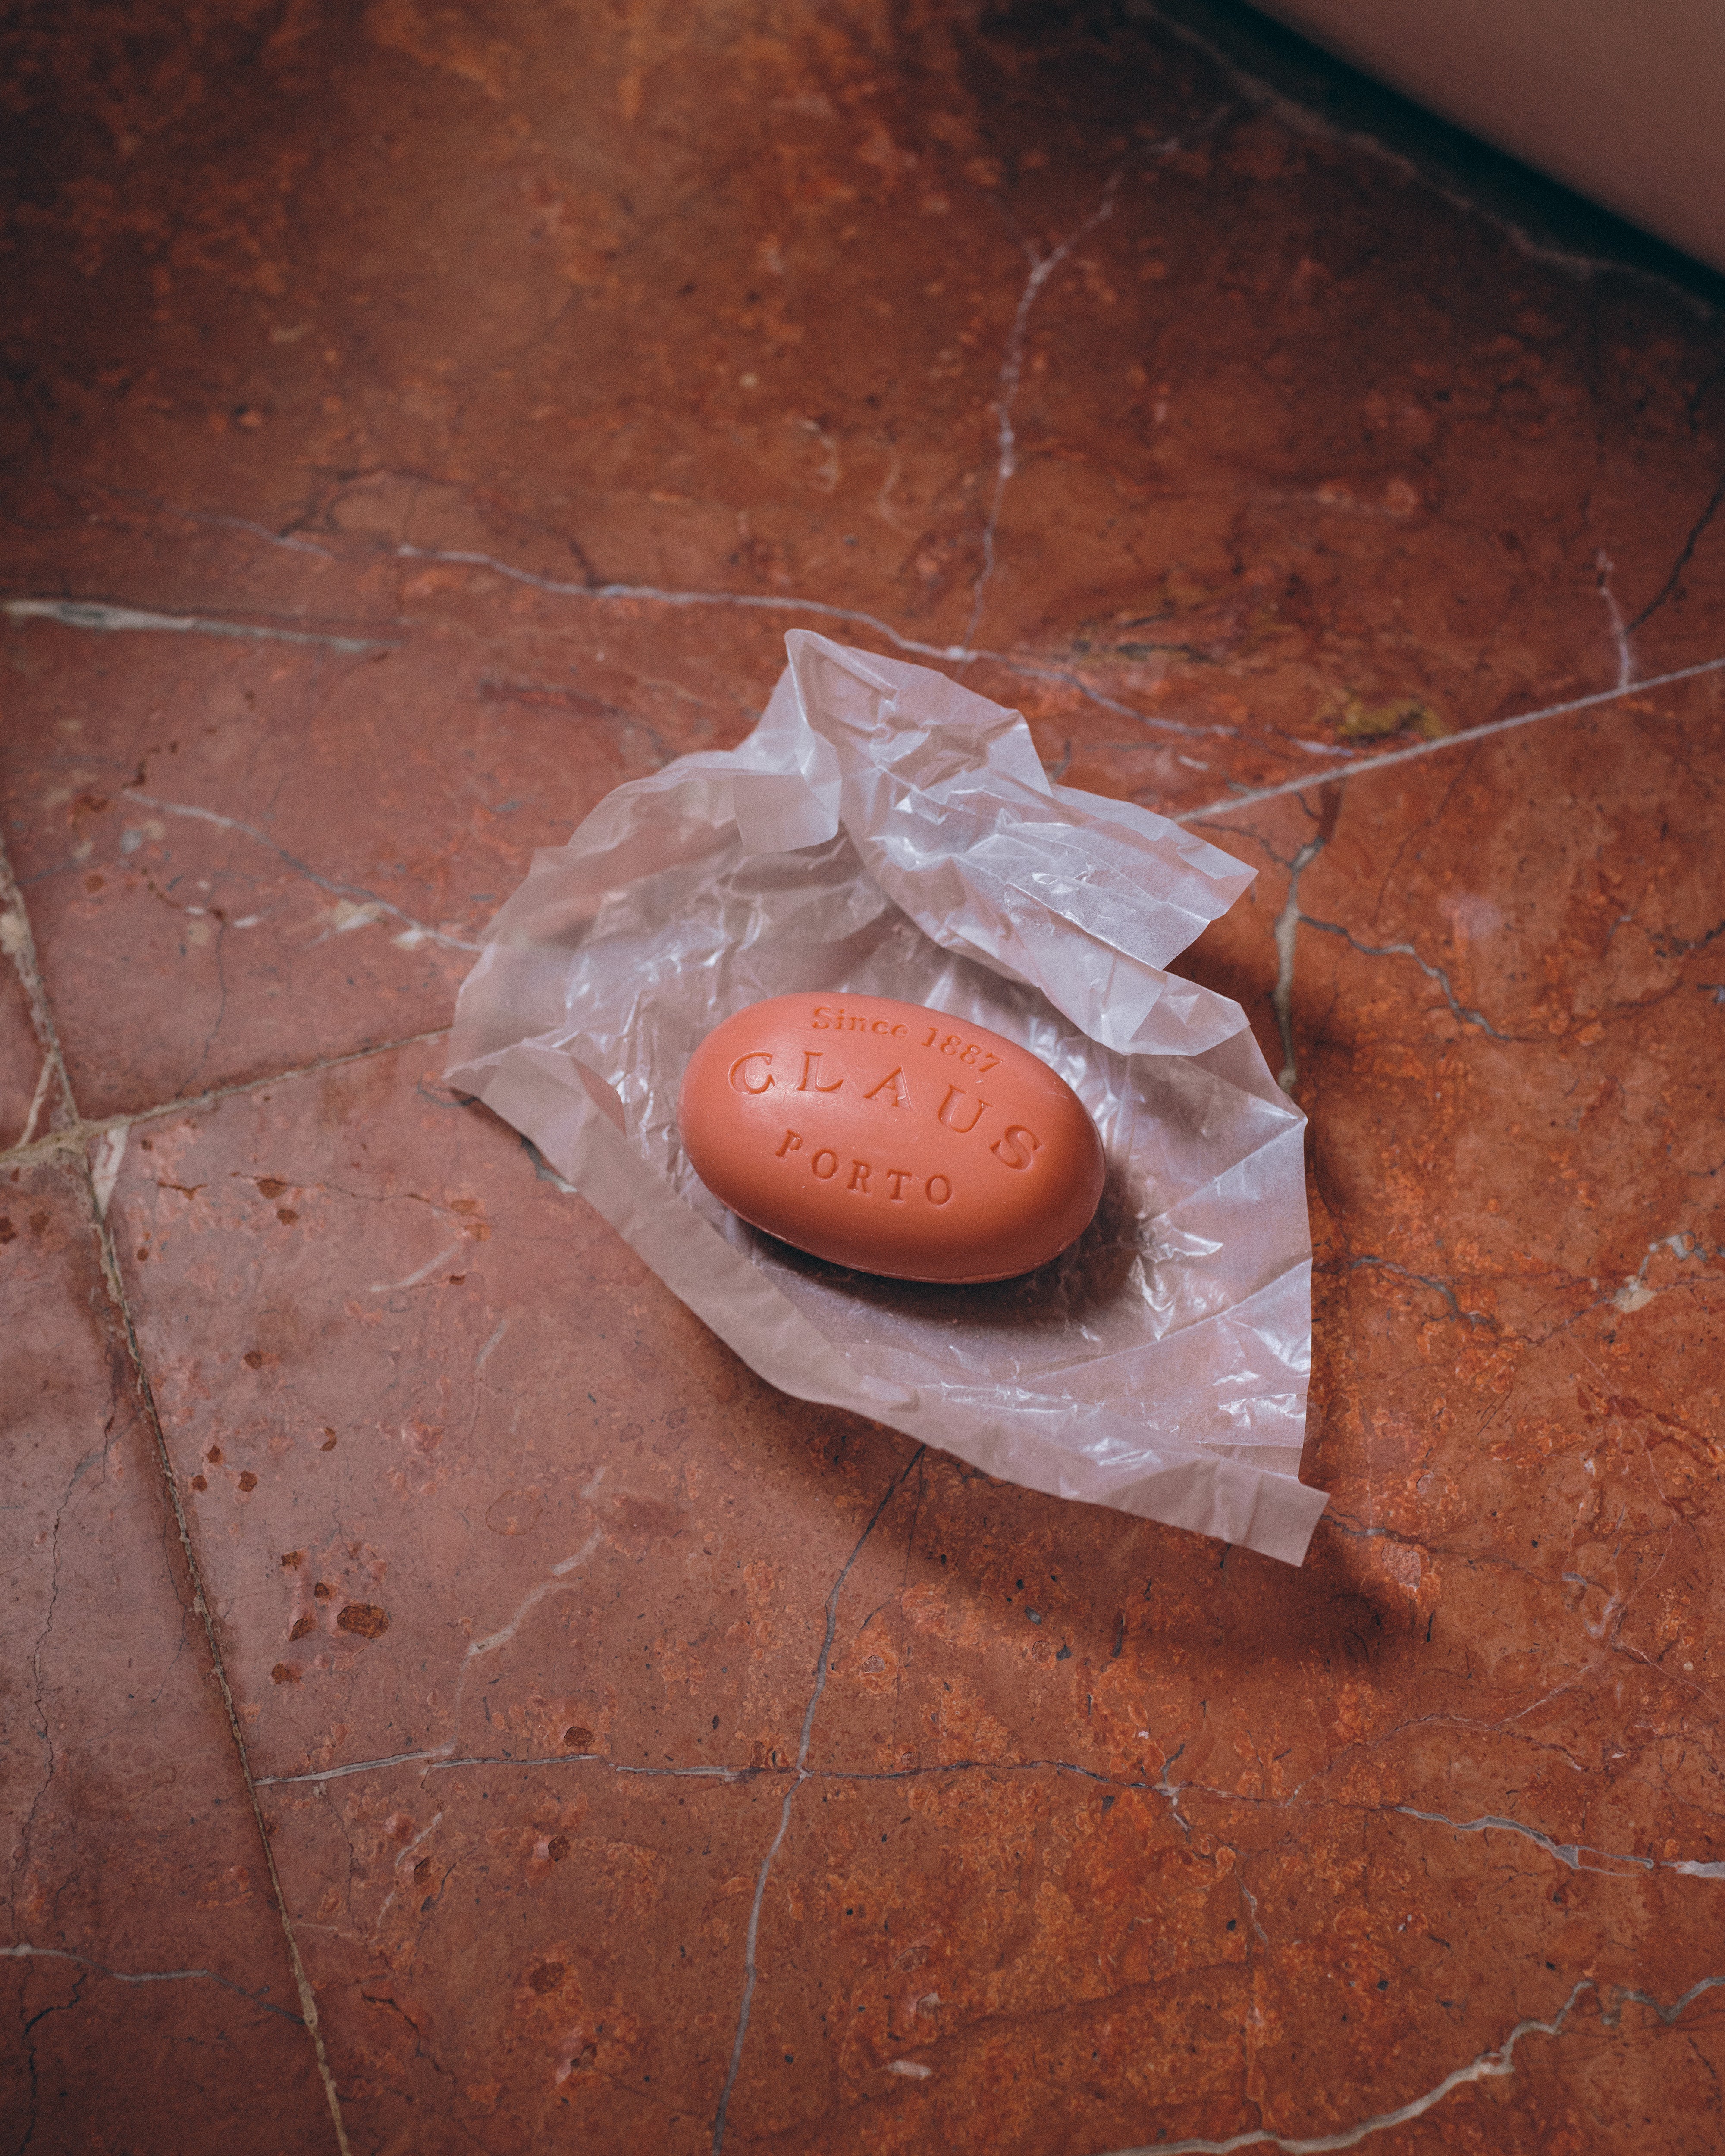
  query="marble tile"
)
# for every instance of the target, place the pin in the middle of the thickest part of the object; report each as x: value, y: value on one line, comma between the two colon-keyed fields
x: 417, y: 421
x: 149, y: 1998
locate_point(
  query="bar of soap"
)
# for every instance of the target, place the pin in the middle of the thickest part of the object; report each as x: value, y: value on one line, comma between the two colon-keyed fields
x: 890, y: 1138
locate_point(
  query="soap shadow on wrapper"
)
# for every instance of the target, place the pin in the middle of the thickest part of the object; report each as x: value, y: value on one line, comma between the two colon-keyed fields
x: 1111, y: 1259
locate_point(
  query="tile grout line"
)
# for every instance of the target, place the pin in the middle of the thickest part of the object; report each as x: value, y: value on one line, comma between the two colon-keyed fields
x: 74, y: 1134
x: 302, y: 1983
x: 17, y: 943
x: 67, y: 1141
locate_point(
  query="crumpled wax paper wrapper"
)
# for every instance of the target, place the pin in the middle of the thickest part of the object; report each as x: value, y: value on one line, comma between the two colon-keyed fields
x: 885, y: 832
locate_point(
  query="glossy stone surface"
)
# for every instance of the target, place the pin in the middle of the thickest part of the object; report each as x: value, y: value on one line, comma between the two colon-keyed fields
x: 417, y: 420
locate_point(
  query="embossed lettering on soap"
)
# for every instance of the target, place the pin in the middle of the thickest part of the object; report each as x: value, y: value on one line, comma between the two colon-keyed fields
x: 878, y: 1135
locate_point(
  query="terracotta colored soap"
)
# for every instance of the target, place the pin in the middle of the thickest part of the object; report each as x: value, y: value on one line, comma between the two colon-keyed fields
x: 890, y: 1138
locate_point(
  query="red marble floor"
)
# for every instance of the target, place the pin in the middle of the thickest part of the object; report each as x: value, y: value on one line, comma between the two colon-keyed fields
x: 419, y: 419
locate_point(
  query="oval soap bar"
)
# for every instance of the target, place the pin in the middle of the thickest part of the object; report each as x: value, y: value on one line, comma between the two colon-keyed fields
x: 890, y: 1138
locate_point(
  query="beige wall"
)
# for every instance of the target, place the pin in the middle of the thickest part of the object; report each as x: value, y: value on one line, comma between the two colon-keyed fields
x: 1624, y: 100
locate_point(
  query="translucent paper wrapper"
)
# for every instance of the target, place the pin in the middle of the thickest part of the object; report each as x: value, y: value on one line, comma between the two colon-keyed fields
x: 885, y: 832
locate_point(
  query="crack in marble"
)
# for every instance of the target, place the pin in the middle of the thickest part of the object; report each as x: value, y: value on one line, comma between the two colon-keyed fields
x: 422, y: 2045
x: 1170, y: 1791
x: 1635, y: 1294
x: 1012, y: 364
x: 401, y: 1862
x: 504, y: 1633
x: 285, y: 540
x: 1570, y: 1853
x: 1251, y: 1902
x: 1603, y: 568
x: 115, y: 1281
x: 1495, y: 2063
x: 1287, y: 929
x: 24, y: 1952
x: 1407, y: 951
x: 489, y: 1349
x: 62, y: 2006
x: 370, y: 906
x: 822, y: 1670
x: 1684, y: 554
x: 750, y: 1940
x: 112, y: 503
x: 71, y: 1140
x: 1138, y: 1784
x: 110, y: 620
x: 765, y: 603
x: 443, y: 1755
x: 106, y: 1157
x: 1249, y: 797
x: 439, y: 1761
x: 17, y: 943
x: 414, y: 1279
x: 43, y: 1081
x: 68, y: 1143
x: 1440, y: 1287
x: 1286, y: 934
